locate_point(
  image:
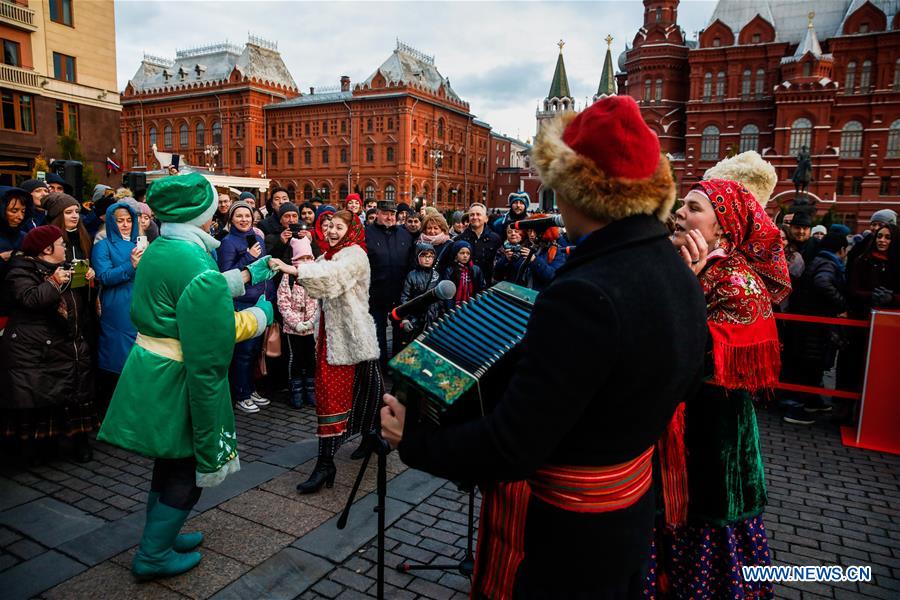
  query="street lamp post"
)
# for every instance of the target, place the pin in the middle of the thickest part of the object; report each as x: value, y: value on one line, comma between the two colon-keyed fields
x: 436, y: 157
x: 211, y: 152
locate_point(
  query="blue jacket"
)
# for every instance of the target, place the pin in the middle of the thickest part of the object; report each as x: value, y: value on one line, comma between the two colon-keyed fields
x: 543, y: 270
x: 233, y: 254
x: 11, y: 237
x: 111, y: 259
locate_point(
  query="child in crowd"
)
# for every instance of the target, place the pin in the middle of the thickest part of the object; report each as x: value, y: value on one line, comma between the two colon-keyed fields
x: 463, y: 273
x: 299, y: 313
x: 422, y: 278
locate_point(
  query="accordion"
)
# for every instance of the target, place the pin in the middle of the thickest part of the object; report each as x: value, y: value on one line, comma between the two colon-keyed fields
x: 458, y: 368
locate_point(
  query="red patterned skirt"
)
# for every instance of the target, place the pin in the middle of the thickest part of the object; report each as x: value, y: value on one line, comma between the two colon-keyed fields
x: 334, y: 390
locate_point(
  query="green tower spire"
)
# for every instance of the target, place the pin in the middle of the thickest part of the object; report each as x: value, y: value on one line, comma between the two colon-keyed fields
x: 559, y: 87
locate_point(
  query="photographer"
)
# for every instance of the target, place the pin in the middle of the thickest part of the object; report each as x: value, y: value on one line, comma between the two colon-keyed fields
x: 278, y: 243
x: 45, y: 364
x: 545, y: 257
x: 508, y: 266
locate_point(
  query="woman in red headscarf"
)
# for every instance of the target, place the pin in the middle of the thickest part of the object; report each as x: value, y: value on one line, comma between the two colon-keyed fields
x: 339, y: 279
x: 742, y: 275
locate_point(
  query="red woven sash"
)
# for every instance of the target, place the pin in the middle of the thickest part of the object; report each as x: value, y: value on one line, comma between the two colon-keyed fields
x: 594, y: 489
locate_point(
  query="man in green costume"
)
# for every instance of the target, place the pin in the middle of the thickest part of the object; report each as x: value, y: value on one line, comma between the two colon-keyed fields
x: 172, y: 402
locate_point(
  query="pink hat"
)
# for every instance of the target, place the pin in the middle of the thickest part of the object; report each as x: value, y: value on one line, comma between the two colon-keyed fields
x: 300, y: 247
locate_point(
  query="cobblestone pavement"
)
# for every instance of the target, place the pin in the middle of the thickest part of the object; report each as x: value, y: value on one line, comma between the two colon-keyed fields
x: 68, y: 530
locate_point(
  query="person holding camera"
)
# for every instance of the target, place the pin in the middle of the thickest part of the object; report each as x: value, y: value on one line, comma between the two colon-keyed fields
x: 45, y: 361
x: 241, y: 247
x: 278, y: 243
x: 116, y: 258
x: 508, y: 266
x: 544, y: 256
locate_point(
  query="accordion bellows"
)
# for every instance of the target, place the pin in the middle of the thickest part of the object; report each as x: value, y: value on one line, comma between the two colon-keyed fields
x: 449, y: 361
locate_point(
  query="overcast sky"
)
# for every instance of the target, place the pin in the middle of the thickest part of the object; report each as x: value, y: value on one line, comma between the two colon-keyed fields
x: 499, y: 56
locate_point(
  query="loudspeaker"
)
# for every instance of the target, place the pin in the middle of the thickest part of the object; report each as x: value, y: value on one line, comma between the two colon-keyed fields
x: 135, y: 181
x: 71, y: 171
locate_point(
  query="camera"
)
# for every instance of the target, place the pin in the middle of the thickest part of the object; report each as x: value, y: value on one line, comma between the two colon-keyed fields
x: 515, y: 248
x: 296, y: 228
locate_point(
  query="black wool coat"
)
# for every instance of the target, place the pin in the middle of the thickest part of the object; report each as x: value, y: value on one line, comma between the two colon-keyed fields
x: 45, y: 359
x: 614, y: 343
x: 484, y: 250
x: 390, y: 252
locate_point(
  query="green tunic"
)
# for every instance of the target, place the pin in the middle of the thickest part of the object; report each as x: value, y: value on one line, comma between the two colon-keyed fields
x: 165, y: 408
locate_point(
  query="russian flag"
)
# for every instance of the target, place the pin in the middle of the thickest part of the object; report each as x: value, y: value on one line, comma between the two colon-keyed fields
x: 111, y: 166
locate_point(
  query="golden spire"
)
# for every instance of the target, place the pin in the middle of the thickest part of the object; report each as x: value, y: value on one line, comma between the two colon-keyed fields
x: 609, y: 41
x: 811, y: 16
x: 560, y: 43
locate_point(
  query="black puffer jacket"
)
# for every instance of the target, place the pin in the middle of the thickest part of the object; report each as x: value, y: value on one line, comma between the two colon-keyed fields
x: 390, y: 257
x: 417, y: 282
x: 45, y: 359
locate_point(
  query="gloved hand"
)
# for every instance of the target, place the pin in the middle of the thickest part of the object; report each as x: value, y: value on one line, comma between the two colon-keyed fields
x: 259, y: 270
x: 266, y: 306
x: 882, y: 296
x: 406, y: 326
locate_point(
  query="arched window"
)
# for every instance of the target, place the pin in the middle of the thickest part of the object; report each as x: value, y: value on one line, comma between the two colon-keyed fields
x: 893, y: 142
x: 390, y: 193
x: 183, y: 136
x: 659, y: 90
x: 720, y: 85
x: 440, y: 128
x: 167, y: 137
x: 745, y: 84
x: 307, y: 192
x: 865, y: 77
x: 801, y: 135
x: 850, y: 78
x: 152, y: 135
x: 440, y: 194
x: 760, y: 82
x: 413, y: 155
x: 647, y: 91
x: 749, y: 138
x: 709, y: 143
x: 369, y: 192
x: 897, y: 75
x: 217, y: 134
x: 851, y: 139
x: 200, y: 135
x: 707, y: 87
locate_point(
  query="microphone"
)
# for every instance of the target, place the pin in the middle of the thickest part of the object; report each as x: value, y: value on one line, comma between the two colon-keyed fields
x: 444, y: 290
x: 540, y: 223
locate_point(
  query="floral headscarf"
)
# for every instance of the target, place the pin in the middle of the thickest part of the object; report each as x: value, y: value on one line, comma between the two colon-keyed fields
x: 750, y: 231
x: 355, y: 236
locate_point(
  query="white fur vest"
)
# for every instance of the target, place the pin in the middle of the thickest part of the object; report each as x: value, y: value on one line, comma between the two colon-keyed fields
x: 342, y: 284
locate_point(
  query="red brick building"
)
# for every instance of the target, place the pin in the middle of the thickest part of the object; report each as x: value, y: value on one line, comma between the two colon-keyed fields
x: 775, y: 77
x: 401, y: 134
x: 206, y: 105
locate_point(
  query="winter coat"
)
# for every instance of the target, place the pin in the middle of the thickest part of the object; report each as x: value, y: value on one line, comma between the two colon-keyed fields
x: 542, y: 270
x: 112, y: 263
x: 451, y: 273
x: 418, y: 281
x: 390, y: 251
x: 509, y: 270
x: 45, y: 359
x: 630, y: 358
x: 868, y: 273
x: 824, y: 287
x: 233, y: 254
x: 299, y: 311
x: 342, y: 284
x: 484, y: 249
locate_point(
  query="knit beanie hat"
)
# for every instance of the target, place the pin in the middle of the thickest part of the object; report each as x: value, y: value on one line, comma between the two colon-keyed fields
x: 57, y: 179
x: 884, y: 215
x: 605, y: 161
x: 838, y: 227
x: 286, y: 208
x: 403, y: 207
x: 99, y: 191
x: 237, y: 205
x: 300, y: 247
x: 39, y: 238
x: 33, y: 184
x: 324, y: 209
x: 144, y: 209
x: 458, y: 216
x: 818, y: 229
x: 182, y: 199
x: 518, y: 197
x: 56, y: 203
x: 422, y: 248
x: 247, y: 196
x: 353, y: 196
x: 750, y: 170
x: 459, y: 245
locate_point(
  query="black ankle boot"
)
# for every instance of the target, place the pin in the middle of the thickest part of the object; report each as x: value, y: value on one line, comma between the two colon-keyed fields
x: 298, y: 393
x: 323, y: 474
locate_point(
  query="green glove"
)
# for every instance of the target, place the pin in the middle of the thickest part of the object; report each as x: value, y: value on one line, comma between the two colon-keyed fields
x: 266, y: 306
x: 259, y: 270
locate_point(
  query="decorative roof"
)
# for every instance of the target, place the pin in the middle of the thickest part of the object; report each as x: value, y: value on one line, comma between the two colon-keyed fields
x: 259, y: 59
x: 408, y: 65
x: 559, y: 86
x: 788, y: 17
x: 607, y: 85
x: 323, y: 97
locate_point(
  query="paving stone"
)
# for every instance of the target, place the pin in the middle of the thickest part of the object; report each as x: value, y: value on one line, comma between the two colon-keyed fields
x: 13, y: 494
x: 106, y: 541
x: 413, y: 486
x: 250, y: 476
x: 109, y: 580
x: 214, y: 572
x: 238, y: 538
x: 276, y: 512
x: 293, y: 454
x: 351, y: 579
x: 25, y: 549
x: 287, y: 574
x: 430, y: 589
x: 30, y: 578
x: 49, y: 521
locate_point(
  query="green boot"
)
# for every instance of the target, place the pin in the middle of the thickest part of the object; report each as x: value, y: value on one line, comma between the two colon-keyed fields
x: 185, y: 542
x: 155, y: 556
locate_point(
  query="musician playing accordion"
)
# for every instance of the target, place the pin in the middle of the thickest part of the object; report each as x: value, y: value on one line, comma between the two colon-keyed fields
x: 565, y: 460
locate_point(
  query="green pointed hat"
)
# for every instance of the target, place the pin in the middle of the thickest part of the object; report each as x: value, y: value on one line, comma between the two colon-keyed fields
x: 182, y: 199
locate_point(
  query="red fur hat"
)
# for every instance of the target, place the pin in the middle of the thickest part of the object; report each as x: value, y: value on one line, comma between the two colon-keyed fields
x: 606, y: 161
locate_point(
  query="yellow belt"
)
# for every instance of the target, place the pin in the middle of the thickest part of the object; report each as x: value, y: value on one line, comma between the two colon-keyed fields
x: 166, y: 347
